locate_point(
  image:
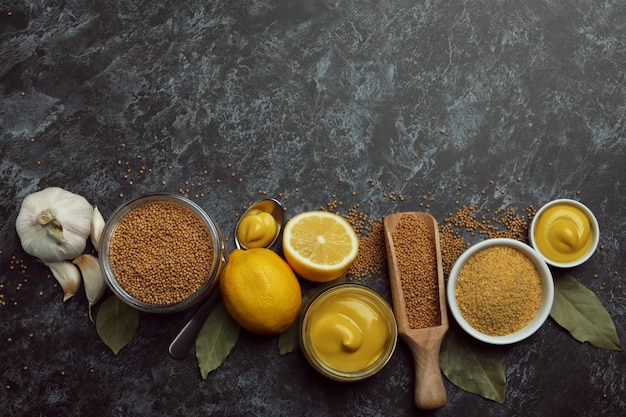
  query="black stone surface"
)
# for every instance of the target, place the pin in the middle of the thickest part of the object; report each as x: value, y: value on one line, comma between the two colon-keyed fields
x: 236, y: 100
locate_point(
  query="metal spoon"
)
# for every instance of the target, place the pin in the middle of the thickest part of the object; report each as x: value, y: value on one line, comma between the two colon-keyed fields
x: 271, y: 206
x: 182, y: 343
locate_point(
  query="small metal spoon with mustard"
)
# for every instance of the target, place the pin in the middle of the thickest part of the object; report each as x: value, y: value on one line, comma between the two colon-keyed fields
x: 258, y: 227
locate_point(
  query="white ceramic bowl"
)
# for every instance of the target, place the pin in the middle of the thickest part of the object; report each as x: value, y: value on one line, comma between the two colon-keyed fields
x: 595, y: 233
x: 547, y: 286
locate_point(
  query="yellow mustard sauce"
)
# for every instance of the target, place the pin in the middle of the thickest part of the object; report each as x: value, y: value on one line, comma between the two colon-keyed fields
x: 348, y: 331
x: 563, y: 233
x: 257, y: 229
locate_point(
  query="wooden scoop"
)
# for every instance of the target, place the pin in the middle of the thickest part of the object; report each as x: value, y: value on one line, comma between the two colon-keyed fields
x: 424, y: 343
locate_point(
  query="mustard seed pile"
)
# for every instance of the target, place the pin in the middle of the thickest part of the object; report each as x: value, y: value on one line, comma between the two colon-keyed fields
x: 371, y: 258
x: 417, y: 267
x: 503, y: 223
x: 161, y: 253
x: 498, y: 290
x: 452, y: 246
x: 372, y: 255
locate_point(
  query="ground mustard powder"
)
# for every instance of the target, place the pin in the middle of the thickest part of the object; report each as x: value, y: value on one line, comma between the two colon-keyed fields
x: 498, y: 290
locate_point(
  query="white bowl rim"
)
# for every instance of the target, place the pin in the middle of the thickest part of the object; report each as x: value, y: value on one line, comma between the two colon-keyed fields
x: 547, y: 288
x: 595, y: 233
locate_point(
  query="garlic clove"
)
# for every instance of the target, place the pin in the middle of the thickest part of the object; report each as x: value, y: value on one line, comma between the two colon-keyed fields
x: 97, y: 225
x: 93, y: 280
x: 68, y: 276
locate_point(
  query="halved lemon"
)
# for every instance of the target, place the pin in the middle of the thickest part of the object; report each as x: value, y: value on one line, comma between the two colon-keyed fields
x: 319, y: 245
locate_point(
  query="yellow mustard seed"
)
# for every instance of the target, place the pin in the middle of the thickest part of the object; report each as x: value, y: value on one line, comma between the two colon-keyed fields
x: 161, y: 253
x: 417, y: 268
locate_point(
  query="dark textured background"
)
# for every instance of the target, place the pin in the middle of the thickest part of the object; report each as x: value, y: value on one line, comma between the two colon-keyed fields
x: 418, y: 97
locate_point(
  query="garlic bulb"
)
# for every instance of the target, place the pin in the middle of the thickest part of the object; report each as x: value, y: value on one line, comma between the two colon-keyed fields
x: 97, y: 225
x: 68, y: 276
x: 93, y: 280
x: 53, y: 224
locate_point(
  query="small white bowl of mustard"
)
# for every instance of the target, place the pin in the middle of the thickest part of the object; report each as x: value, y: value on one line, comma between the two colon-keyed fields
x: 348, y: 332
x: 565, y: 233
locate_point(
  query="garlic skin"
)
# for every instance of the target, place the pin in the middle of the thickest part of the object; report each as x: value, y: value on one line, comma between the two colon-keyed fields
x: 93, y: 280
x: 97, y: 226
x: 53, y: 224
x: 68, y: 275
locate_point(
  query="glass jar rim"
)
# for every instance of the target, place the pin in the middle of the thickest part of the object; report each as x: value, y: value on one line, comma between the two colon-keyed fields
x: 209, y: 284
x: 349, y: 376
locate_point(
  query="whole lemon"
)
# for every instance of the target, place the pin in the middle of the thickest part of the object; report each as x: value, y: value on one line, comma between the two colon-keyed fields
x: 260, y: 290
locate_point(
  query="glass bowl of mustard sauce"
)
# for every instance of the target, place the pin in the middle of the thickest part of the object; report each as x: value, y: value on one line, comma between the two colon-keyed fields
x: 565, y: 233
x: 348, y: 332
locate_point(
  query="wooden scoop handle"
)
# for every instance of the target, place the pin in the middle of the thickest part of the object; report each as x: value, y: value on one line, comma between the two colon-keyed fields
x: 429, y: 390
x: 424, y: 343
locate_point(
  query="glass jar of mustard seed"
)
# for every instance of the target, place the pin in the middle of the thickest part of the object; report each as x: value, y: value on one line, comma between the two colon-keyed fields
x: 161, y: 253
x: 348, y: 332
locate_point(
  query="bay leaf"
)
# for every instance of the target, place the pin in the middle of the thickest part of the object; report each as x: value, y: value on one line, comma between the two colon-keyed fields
x: 289, y: 340
x: 216, y: 339
x: 116, y: 323
x: 579, y: 311
x: 473, y: 366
